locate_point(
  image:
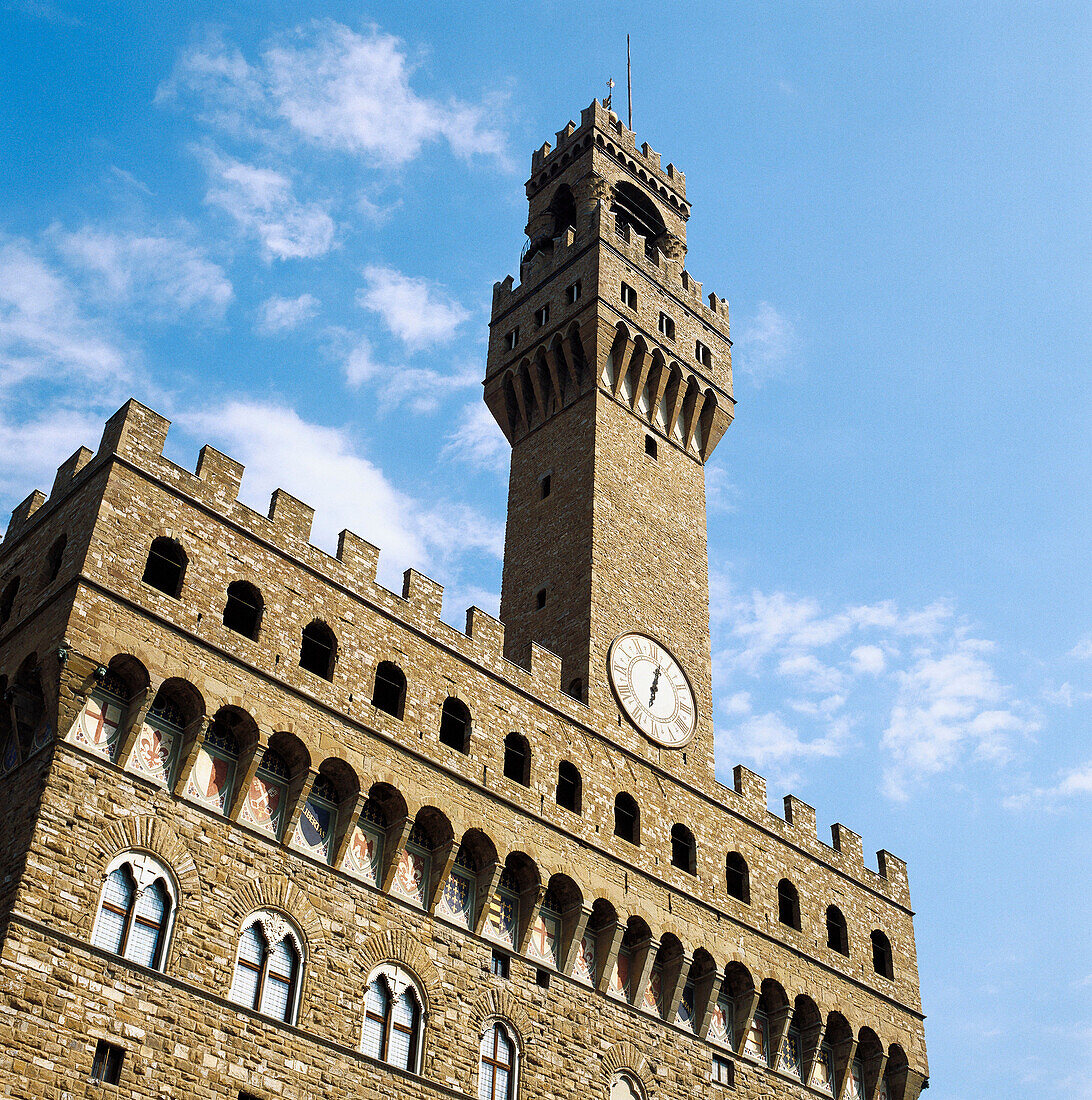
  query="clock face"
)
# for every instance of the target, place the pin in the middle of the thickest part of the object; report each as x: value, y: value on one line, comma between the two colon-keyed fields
x: 652, y: 689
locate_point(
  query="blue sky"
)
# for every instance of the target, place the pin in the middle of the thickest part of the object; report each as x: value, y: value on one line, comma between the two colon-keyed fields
x: 282, y: 232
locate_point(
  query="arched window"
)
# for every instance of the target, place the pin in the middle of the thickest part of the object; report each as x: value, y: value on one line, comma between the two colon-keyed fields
x: 837, y: 933
x: 624, y: 1086
x: 268, y: 966
x: 393, y: 1009
x: 455, y: 725
x: 627, y: 819
x: 569, y: 787
x: 737, y: 877
x: 136, y: 910
x: 54, y: 559
x: 212, y: 780
x: 7, y: 599
x: 683, y: 849
x: 390, y: 689
x: 263, y: 806
x: 882, y: 957
x: 243, y: 610
x: 576, y: 689
x: 98, y: 726
x: 318, y: 650
x: 788, y: 904
x: 166, y: 567
x: 176, y: 704
x: 517, y: 759
x: 497, y: 1063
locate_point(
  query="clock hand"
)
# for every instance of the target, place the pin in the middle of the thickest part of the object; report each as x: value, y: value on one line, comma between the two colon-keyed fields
x: 655, y: 687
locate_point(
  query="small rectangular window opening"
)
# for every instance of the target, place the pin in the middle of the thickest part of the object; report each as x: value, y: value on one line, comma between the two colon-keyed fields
x: 540, y: 598
x: 629, y: 296
x: 572, y: 293
x: 544, y: 486
x: 667, y: 326
x: 542, y: 315
x: 650, y: 446
x: 511, y: 339
x: 542, y: 978
x: 248, y: 1096
x: 703, y: 355
x: 499, y: 964
x: 722, y: 1070
x: 106, y: 1066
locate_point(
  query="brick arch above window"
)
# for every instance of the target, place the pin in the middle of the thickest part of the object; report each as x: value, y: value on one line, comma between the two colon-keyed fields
x: 279, y: 892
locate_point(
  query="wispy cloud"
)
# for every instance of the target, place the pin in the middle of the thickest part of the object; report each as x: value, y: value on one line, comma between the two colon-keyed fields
x: 263, y: 204
x: 476, y: 440
x: 765, y: 343
x: 1082, y: 651
x: 277, y: 316
x: 164, y: 275
x: 416, y: 311
x: 326, y: 85
x: 944, y: 701
x: 1072, y: 783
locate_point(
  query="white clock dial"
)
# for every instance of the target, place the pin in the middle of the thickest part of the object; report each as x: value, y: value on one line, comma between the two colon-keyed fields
x: 652, y: 689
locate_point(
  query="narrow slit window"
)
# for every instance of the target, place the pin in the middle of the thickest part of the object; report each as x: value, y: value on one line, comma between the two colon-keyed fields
x: 511, y: 339
x: 545, y: 486
x: 628, y: 296
x: 540, y: 598
x: 106, y: 1066
x: 703, y: 355
x: 572, y: 293
x: 651, y: 447
x: 666, y: 326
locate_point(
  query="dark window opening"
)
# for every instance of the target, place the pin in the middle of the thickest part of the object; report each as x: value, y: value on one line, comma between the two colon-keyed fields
x: 542, y: 315
x: 837, y: 933
x: 632, y: 208
x: 667, y: 326
x: 703, y: 355
x: 627, y: 819
x: 576, y: 689
x: 499, y: 964
x: 722, y: 1072
x: 54, y: 559
x: 572, y: 293
x: 390, y: 689
x: 166, y: 567
x: 455, y: 725
x: 542, y: 978
x: 243, y: 610
x: 511, y: 339
x: 788, y: 904
x: 737, y: 877
x: 540, y: 599
x: 568, y: 787
x: 683, y: 849
x: 629, y: 296
x: 106, y: 1066
x: 318, y: 650
x: 882, y: 960
x: 650, y: 446
x: 517, y: 759
x: 7, y: 599
x: 544, y: 486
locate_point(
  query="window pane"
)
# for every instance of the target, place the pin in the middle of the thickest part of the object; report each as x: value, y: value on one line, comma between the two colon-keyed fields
x: 116, y: 899
x: 282, y: 961
x: 485, y: 1082
x: 151, y: 912
x: 399, y: 1054
x: 244, y: 986
x: 275, y: 997
x: 377, y: 1007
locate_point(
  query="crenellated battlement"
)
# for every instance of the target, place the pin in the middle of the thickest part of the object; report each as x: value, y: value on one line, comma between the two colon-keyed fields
x: 601, y: 126
x: 136, y: 435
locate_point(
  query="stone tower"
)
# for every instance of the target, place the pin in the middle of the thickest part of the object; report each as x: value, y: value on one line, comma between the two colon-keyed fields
x: 612, y: 380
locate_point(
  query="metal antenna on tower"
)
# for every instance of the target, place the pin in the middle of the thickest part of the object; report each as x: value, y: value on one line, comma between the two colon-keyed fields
x: 629, y: 83
x: 610, y: 92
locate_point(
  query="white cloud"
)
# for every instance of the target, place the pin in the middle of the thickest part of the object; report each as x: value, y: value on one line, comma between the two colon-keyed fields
x: 45, y: 331
x: 320, y: 465
x: 948, y: 705
x: 738, y: 703
x: 414, y: 310
x: 1082, y: 651
x: 279, y: 315
x: 813, y: 674
x: 334, y: 88
x: 262, y: 202
x: 33, y: 448
x: 420, y: 389
x: 766, y: 739
x: 868, y: 660
x: 476, y: 440
x: 164, y: 275
x: 765, y: 343
x: 1074, y: 783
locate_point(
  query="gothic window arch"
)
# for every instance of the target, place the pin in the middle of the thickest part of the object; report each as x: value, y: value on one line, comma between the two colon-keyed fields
x: 136, y: 909
x: 498, y: 1062
x: 788, y: 904
x: 269, y: 965
x: 882, y: 956
x: 837, y: 932
x: 517, y: 759
x: 569, y: 786
x: 683, y: 849
x: 455, y: 725
x: 318, y: 650
x: 737, y: 877
x: 394, y: 1010
x: 624, y: 1086
x: 627, y: 818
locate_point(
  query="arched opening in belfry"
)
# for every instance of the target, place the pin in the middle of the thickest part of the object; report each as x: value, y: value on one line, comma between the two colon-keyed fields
x: 634, y: 210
